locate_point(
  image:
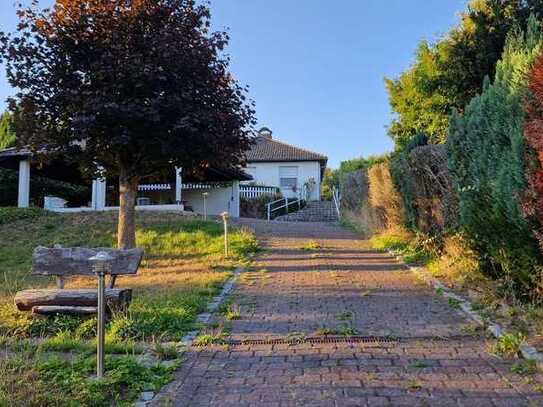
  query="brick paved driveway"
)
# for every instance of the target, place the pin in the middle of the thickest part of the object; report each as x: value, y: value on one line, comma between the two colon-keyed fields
x: 424, y: 351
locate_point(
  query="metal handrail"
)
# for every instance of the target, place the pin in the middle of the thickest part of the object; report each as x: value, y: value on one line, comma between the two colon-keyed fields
x: 337, y: 201
x: 286, y: 205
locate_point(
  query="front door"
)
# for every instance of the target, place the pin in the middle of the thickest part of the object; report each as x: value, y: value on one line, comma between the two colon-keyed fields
x: 288, y: 181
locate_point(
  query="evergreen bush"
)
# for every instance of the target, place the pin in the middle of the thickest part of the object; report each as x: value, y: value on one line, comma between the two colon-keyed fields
x: 486, y: 150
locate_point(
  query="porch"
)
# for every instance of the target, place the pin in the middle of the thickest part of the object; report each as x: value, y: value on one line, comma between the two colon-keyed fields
x: 212, y: 192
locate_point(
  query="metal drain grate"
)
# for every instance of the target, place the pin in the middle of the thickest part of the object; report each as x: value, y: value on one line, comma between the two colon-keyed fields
x: 314, y: 340
x: 376, y: 340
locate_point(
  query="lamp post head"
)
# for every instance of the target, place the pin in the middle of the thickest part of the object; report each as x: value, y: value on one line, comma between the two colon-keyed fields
x: 225, y: 216
x: 205, y: 194
x: 101, y: 262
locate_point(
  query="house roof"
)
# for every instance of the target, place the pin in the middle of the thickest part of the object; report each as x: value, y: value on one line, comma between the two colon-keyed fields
x: 209, y: 174
x: 15, y: 152
x: 266, y: 149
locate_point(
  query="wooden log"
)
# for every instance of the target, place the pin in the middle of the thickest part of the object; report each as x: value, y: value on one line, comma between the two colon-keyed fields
x: 74, y: 261
x: 116, y: 298
x: 65, y: 310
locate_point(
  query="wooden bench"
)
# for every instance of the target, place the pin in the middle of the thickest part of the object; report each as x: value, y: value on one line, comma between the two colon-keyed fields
x: 70, y: 262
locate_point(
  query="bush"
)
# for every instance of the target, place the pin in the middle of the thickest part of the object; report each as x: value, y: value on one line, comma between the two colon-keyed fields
x: 385, y: 202
x: 486, y: 156
x: 458, y: 263
x: 422, y: 176
x: 257, y: 207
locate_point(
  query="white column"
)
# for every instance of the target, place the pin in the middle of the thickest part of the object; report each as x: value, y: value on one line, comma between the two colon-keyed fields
x: 234, y: 204
x: 178, y: 184
x: 99, y: 194
x: 23, y: 200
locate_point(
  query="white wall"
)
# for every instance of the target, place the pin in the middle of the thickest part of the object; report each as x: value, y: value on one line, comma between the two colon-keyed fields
x: 218, y: 200
x: 268, y: 174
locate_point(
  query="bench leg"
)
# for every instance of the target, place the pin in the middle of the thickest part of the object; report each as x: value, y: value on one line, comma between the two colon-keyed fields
x: 112, y: 280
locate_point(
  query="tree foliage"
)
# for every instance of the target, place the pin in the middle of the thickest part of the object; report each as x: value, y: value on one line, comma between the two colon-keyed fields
x: 131, y: 87
x: 533, y: 130
x: 7, y: 135
x: 486, y: 157
x: 447, y: 74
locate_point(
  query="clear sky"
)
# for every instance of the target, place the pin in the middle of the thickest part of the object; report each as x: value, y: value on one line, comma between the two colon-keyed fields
x: 315, y: 67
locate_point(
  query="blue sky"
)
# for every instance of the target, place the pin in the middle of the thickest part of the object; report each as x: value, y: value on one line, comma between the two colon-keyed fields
x: 315, y: 67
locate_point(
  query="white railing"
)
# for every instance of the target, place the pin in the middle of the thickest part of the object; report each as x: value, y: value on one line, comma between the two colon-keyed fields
x: 336, y: 197
x: 254, y: 191
x: 154, y: 187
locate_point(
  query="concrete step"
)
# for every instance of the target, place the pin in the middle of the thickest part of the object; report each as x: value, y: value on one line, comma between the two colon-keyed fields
x: 315, y: 211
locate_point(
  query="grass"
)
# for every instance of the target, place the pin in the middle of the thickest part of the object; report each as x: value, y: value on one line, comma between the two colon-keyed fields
x: 311, y: 245
x: 9, y: 215
x: 453, y: 302
x: 508, y: 345
x: 525, y: 367
x: 41, y: 380
x: 344, y: 316
x: 412, y: 250
x: 182, y: 269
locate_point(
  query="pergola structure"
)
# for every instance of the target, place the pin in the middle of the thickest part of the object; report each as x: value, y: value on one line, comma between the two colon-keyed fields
x: 224, y: 183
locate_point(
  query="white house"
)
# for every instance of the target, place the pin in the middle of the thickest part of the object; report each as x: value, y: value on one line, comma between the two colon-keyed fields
x: 295, y: 171
x: 271, y: 165
x: 213, y: 192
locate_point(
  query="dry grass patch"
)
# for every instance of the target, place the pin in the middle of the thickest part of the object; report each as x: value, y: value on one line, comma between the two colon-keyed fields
x: 182, y: 269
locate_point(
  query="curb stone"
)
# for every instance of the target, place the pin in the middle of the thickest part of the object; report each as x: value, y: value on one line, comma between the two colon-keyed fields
x: 186, y: 341
x: 527, y: 352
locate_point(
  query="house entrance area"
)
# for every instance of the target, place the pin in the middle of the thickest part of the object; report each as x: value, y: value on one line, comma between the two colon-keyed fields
x: 60, y: 187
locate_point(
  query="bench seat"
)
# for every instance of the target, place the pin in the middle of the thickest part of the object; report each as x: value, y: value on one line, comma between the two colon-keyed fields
x: 115, y: 298
x: 63, y: 309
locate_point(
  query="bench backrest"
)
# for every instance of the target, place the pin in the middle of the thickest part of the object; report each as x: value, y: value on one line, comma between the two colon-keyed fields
x: 74, y: 261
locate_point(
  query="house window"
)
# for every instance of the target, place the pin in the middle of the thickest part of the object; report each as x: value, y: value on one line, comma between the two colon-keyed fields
x: 289, y: 182
x: 288, y: 177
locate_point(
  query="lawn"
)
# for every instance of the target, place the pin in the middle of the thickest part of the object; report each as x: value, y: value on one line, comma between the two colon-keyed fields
x: 48, y: 361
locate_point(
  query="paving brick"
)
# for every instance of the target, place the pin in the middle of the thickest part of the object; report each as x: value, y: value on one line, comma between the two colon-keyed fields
x: 344, y: 287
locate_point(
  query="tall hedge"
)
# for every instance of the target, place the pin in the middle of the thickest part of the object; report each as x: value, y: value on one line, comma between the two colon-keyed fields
x: 422, y: 177
x: 533, y: 133
x: 486, y: 152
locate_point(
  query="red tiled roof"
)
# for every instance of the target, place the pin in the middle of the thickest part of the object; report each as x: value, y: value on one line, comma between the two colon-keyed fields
x: 269, y: 150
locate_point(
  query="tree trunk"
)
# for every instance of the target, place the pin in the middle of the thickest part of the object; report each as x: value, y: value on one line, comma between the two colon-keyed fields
x: 126, y: 230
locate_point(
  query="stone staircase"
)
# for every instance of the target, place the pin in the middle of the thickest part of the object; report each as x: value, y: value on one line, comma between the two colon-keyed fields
x: 314, y: 211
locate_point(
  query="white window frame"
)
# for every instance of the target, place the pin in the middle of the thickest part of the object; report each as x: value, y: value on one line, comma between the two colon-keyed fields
x: 290, y: 175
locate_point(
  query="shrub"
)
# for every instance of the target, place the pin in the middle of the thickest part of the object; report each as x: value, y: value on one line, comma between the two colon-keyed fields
x: 422, y: 177
x: 486, y: 157
x: 458, y: 263
x: 385, y: 201
x: 257, y: 207
x: 533, y: 200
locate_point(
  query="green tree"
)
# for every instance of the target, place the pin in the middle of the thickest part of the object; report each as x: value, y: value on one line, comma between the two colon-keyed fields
x: 133, y: 87
x: 7, y: 135
x: 446, y: 75
x: 417, y: 100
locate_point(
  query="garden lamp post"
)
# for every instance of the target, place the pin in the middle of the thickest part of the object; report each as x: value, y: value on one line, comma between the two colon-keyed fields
x: 225, y: 217
x: 101, y: 265
x: 205, y: 194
